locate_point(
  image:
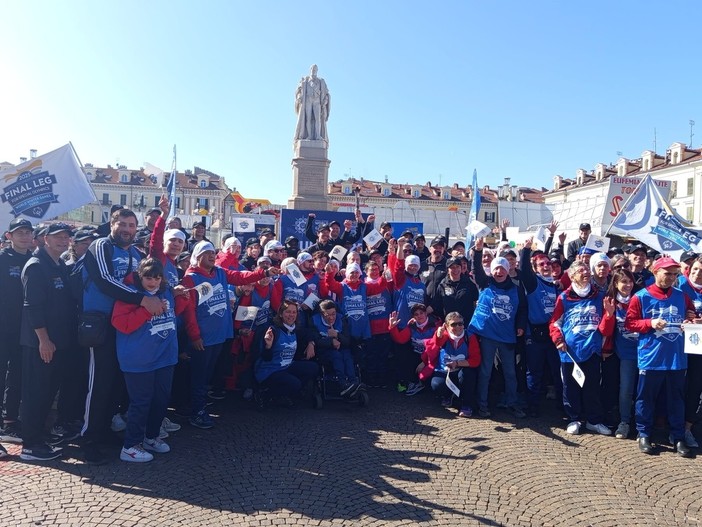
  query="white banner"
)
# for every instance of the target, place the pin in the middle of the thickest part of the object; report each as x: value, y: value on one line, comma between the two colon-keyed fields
x: 597, y: 243
x: 44, y: 187
x: 693, y: 338
x: 338, y: 253
x: 477, y: 229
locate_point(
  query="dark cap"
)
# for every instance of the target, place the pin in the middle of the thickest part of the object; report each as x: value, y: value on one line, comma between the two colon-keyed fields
x: 458, y: 243
x: 323, y: 227
x: 454, y: 261
x: 688, y: 255
x: 198, y: 224
x: 417, y: 307
x: 438, y: 240
x: 585, y: 227
x: 20, y: 223
x: 291, y: 239
x: 554, y: 254
x: 267, y: 232
x: 155, y: 209
x: 637, y: 247
x: 508, y: 252
x: 613, y: 251
x: 420, y: 237
x: 85, y: 234
x: 183, y: 256
x: 652, y: 253
x: 252, y: 241
x: 39, y: 231
x: 411, y: 234
x: 55, y: 228
x: 334, y: 222
x: 385, y: 225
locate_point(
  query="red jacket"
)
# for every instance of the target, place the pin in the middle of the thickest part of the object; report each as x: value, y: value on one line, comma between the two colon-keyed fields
x: 430, y: 357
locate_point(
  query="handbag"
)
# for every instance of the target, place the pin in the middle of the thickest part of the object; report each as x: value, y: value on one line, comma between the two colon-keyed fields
x: 92, y: 328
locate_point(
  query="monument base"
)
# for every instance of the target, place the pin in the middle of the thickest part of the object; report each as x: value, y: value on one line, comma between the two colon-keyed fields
x: 310, y: 175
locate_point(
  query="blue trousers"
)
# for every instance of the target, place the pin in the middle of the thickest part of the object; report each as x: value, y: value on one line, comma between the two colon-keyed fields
x: 651, y: 383
x: 149, y: 394
x: 202, y: 365
x: 342, y: 363
x: 488, y: 349
x: 292, y: 379
x: 539, y: 357
x: 583, y: 403
x: 464, y: 378
x: 628, y: 376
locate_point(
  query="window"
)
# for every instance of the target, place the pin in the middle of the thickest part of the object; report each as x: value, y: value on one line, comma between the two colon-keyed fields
x: 416, y: 193
x: 204, y: 203
x: 447, y: 195
x: 203, y: 183
x: 386, y: 192
x: 177, y: 203
x: 124, y: 179
x: 690, y: 186
x: 489, y: 217
x: 689, y: 214
x: 347, y: 190
x: 673, y: 189
x: 123, y: 199
x: 106, y: 199
x: 156, y: 200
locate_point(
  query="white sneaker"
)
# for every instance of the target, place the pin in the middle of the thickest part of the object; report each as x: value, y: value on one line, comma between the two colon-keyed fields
x: 622, y: 431
x: 599, y: 428
x: 690, y: 440
x: 135, y: 454
x: 119, y: 424
x: 169, y: 426
x: 573, y: 428
x: 156, y: 445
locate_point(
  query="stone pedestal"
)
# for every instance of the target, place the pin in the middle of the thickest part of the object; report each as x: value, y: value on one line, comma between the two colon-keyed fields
x: 310, y: 175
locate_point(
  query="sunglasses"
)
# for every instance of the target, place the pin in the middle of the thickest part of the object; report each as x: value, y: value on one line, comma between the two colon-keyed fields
x: 456, y: 324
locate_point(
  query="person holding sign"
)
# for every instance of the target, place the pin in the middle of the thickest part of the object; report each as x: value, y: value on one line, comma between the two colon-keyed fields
x: 214, y: 320
x: 576, y: 329
x: 451, y: 360
x: 298, y: 283
x: 657, y: 314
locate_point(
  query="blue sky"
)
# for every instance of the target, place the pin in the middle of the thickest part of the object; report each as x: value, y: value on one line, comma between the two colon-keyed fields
x: 419, y: 91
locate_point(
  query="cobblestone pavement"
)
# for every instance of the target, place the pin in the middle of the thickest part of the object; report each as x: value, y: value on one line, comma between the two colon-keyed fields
x: 401, y: 461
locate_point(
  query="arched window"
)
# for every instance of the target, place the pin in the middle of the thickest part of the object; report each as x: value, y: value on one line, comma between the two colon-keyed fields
x: 203, y: 183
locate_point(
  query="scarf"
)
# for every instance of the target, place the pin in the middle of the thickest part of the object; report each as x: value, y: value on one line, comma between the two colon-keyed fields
x: 582, y: 292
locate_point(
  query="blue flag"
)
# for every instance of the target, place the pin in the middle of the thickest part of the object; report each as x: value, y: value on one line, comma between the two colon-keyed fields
x: 171, y: 187
x: 474, y: 208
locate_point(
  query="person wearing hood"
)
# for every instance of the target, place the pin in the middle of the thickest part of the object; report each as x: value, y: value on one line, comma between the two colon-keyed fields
x: 210, y: 308
x: 228, y: 257
x: 577, y: 327
x: 409, y: 288
x: 541, y: 290
x: 456, y: 292
x: 600, y: 268
x: 500, y: 317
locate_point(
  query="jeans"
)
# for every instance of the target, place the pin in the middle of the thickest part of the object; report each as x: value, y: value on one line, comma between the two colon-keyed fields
x: 464, y: 378
x: 149, y: 394
x: 628, y: 376
x: 202, y: 365
x: 292, y: 379
x: 505, y: 351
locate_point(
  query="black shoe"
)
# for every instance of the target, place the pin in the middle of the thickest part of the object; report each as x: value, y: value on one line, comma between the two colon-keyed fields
x: 40, y: 453
x: 645, y: 445
x: 348, y: 389
x: 217, y: 395
x: 12, y: 433
x: 93, y: 455
x: 3, y: 452
x: 682, y: 449
x: 63, y: 434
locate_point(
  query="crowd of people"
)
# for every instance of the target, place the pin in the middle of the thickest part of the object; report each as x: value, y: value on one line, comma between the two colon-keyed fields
x: 117, y: 324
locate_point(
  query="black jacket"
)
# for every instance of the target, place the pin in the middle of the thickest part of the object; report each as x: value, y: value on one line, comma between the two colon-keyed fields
x: 11, y: 294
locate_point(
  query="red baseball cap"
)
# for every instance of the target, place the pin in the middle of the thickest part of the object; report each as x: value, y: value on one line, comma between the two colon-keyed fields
x: 665, y: 262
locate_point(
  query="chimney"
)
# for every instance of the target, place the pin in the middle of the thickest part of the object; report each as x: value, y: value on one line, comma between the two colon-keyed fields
x: 33, y: 153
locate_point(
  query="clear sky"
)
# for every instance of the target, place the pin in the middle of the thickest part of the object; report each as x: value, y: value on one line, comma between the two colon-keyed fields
x: 420, y: 91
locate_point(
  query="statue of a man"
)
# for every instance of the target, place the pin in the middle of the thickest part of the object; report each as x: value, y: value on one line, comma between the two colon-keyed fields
x: 312, y: 107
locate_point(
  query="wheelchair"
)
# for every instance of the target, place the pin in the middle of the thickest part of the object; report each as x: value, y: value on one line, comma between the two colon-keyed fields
x: 328, y: 388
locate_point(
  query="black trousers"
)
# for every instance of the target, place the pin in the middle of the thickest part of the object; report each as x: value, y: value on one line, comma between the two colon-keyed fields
x: 10, y: 375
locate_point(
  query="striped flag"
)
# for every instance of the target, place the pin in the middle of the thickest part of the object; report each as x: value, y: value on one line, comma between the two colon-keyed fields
x: 171, y: 187
x: 474, y: 209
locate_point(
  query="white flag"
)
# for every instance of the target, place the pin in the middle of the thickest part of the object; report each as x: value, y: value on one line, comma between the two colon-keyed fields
x: 295, y: 274
x: 452, y: 386
x: 338, y: 253
x: 242, y: 224
x: 311, y: 301
x: 540, y: 237
x: 372, y: 238
x: 597, y: 243
x: 578, y: 373
x: 246, y: 313
x: 153, y: 170
x: 205, y: 292
x: 693, y: 338
x: 477, y: 229
x: 44, y: 187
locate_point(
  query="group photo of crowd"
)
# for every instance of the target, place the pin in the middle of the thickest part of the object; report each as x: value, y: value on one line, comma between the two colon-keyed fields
x: 134, y: 330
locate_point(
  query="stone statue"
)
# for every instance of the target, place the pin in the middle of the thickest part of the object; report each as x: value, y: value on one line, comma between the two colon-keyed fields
x: 312, y: 107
